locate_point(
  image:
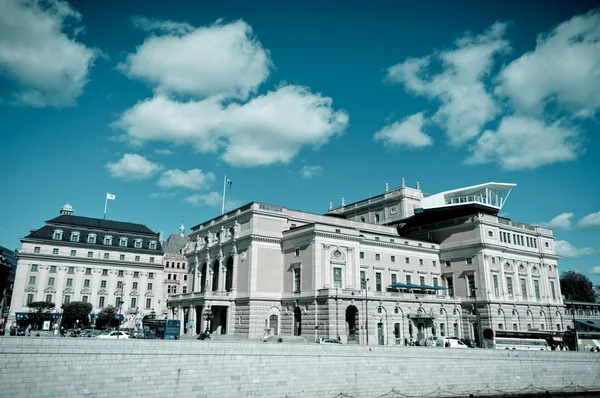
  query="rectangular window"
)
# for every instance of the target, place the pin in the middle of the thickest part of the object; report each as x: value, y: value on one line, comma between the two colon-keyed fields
x: 91, y: 239
x: 406, y: 260
x: 450, y: 286
x: 51, y: 281
x: 148, y: 303
x: 422, y: 280
x: 84, y: 299
x: 471, y: 283
x: 53, y: 268
x: 119, y: 284
x: 184, y: 290
x: 434, y: 263
x: 536, y: 288
x: 133, y: 302
x: 535, y: 242
x: 136, y: 274
x: 137, y: 258
x: 362, y: 255
x: 48, y: 298
x: 103, y: 284
x: 509, y: 286
x: 442, y: 329
x: 152, y: 245
x: 456, y: 330
x: 123, y: 242
x: 106, y: 256
x: 420, y: 261
x: 101, y: 302
x: 378, y: 281
x: 151, y: 259
x: 135, y: 284
x: 496, y: 287
x: 107, y: 240
x: 493, y: 260
x: 508, y: 238
x: 29, y: 298
x: 67, y: 299
x: 71, y: 270
x: 469, y: 261
x: 32, y: 280
x: 150, y: 275
x: 138, y: 244
x: 86, y: 283
x: 377, y: 257
x: 73, y: 253
x: 448, y: 264
x: 185, y: 277
x: 117, y: 302
x: 515, y: 327
x: 88, y: 271
x: 394, y: 278
x: 337, y: 278
x: 169, y: 276
x: 149, y: 286
x: 70, y: 282
x: 55, y: 251
x: 393, y: 259
x: 122, y: 257
x: 377, y: 238
x: 34, y: 267
x: 376, y: 218
x: 121, y: 273
x: 397, y: 333
x: 90, y: 254
x: 363, y: 280
x: 36, y: 249
x: 408, y: 279
x: 552, y: 290
x: 297, y: 284
x: 523, y: 287
x: 104, y: 272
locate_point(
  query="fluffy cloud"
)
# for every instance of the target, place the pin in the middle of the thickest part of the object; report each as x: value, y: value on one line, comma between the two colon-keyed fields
x: 49, y: 67
x: 191, y: 179
x: 561, y: 221
x: 590, y: 221
x: 268, y: 129
x: 594, y: 270
x: 408, y: 132
x: 563, y: 69
x: 163, y: 151
x: 466, y: 106
x: 311, y: 171
x: 169, y: 27
x: 132, y: 167
x: 208, y: 199
x: 221, y: 59
x: 526, y: 143
x: 565, y: 249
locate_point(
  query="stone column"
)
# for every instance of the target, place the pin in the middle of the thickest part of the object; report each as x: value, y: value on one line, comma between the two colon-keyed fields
x: 220, y: 281
x: 236, y: 261
x: 223, y: 277
x: 181, y: 319
x: 192, y: 317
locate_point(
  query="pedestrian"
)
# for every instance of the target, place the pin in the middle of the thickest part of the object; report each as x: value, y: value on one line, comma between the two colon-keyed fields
x: 28, y: 331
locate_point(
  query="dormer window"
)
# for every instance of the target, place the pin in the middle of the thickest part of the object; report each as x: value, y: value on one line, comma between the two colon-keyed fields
x: 123, y: 242
x: 152, y: 245
x: 91, y: 238
x: 74, y: 236
x: 58, y: 234
x: 138, y: 243
x: 107, y: 240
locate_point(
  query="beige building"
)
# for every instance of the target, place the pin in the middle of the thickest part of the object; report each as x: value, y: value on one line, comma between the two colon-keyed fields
x: 175, y: 264
x: 102, y: 262
x: 397, y: 267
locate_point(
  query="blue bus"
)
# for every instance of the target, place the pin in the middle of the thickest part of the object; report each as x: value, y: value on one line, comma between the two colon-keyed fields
x: 172, y: 329
x: 167, y: 329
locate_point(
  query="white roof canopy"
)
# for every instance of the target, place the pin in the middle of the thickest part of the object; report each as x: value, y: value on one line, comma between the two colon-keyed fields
x: 491, y: 194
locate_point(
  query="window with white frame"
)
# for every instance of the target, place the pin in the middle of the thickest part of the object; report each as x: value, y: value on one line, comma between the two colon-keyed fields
x: 150, y: 275
x: 34, y: 267
x: 378, y: 283
x: 297, y: 279
x: 138, y: 244
x: 394, y: 277
x: 148, y: 303
x: 393, y: 259
x: 36, y: 249
x: 420, y: 261
x: 337, y: 277
x: 152, y: 245
x: 469, y: 260
x: 101, y: 301
x: 32, y: 280
x: 107, y: 240
x: 151, y: 259
x: 91, y: 238
x: 133, y: 302
x: 137, y: 258
x: 73, y: 253
x: 123, y: 242
x: 53, y: 268
x: 74, y: 236
x: 406, y: 260
x: 58, y: 234
x: 90, y: 254
x: 55, y: 251
x: 377, y: 256
x: 29, y: 298
x: 122, y: 257
x: 69, y: 281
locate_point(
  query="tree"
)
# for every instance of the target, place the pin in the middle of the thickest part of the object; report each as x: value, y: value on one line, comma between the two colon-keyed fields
x: 576, y: 286
x: 76, y: 310
x: 108, y: 317
x: 39, y: 310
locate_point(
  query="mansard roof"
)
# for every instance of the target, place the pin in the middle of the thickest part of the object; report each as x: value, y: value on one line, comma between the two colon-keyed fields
x: 100, y: 224
x: 175, y: 243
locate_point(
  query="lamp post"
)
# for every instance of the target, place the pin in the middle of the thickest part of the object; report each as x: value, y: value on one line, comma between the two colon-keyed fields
x: 367, y: 309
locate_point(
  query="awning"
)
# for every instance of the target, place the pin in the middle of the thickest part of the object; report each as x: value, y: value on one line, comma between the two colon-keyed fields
x: 413, y: 286
x: 21, y: 315
x: 590, y: 323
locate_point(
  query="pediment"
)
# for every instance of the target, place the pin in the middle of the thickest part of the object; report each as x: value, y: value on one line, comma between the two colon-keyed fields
x: 49, y: 289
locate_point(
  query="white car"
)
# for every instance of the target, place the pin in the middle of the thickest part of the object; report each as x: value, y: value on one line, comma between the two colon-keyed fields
x: 114, y: 335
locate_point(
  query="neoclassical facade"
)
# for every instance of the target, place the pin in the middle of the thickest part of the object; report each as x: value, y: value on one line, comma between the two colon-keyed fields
x: 393, y: 268
x: 102, y: 262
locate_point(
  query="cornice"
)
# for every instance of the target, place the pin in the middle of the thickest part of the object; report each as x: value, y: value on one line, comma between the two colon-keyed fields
x: 96, y: 246
x: 82, y: 261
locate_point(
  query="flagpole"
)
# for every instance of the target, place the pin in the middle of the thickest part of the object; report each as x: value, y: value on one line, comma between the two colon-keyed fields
x: 224, y: 186
x: 105, y: 204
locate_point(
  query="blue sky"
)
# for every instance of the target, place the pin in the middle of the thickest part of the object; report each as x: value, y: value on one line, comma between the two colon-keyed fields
x: 300, y: 104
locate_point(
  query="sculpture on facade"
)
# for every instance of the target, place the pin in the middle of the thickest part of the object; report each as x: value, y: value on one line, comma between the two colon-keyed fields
x: 403, y: 183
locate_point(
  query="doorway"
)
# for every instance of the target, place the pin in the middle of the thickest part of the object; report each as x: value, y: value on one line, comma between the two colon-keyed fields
x: 352, y: 323
x: 297, y: 321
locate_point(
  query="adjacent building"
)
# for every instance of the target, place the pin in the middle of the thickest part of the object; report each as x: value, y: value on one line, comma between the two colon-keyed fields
x: 175, y: 264
x: 391, y: 269
x: 103, y: 262
x: 8, y: 268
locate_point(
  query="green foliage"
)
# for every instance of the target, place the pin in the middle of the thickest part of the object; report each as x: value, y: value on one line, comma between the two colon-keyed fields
x: 576, y: 286
x: 108, y: 317
x: 76, y: 310
x: 38, y: 311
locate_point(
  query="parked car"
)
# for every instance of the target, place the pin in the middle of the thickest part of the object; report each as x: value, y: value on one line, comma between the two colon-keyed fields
x: 117, y: 334
x: 327, y: 340
x: 450, y: 342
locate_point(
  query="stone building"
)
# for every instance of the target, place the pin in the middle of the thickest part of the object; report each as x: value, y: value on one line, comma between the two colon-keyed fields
x: 102, y: 262
x: 8, y: 268
x: 175, y: 264
x: 396, y: 267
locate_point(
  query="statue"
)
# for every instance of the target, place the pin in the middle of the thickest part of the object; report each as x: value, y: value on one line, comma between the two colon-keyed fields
x: 418, y: 186
x: 236, y: 228
x: 387, y: 187
x: 403, y: 183
x: 330, y: 205
x: 343, y: 202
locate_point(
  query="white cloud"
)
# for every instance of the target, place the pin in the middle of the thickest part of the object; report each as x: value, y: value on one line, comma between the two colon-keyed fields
x: 590, y: 221
x: 526, y: 143
x: 208, y: 199
x: 466, y: 106
x: 49, y: 67
x: 163, y: 195
x: 171, y: 27
x: 311, y: 171
x: 163, y: 151
x: 564, y: 69
x: 565, y: 249
x: 132, y: 167
x: 221, y: 59
x: 594, y: 270
x: 561, y: 221
x: 268, y: 129
x: 191, y: 179
x: 408, y: 132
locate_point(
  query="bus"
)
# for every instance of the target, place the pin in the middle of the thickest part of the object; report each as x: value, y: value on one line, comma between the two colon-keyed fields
x: 586, y: 341
x: 518, y: 340
x: 167, y: 329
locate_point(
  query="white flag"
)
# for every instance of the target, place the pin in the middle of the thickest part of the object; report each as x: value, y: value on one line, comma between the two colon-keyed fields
x: 110, y: 196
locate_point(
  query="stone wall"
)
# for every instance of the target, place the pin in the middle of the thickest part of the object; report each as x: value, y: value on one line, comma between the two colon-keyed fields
x: 66, y: 367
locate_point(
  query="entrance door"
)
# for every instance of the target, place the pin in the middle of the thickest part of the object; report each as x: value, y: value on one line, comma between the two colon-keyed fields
x: 352, y: 321
x: 297, y: 321
x: 380, y: 333
x: 273, y: 324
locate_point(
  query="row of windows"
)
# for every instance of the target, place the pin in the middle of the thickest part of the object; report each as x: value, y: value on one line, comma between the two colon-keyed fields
x: 90, y: 254
x: 172, y: 289
x: 106, y: 240
x: 518, y: 239
x: 88, y: 271
x: 86, y: 283
x: 101, y: 300
x: 523, y: 283
x: 393, y: 259
x: 174, y: 277
x: 180, y: 265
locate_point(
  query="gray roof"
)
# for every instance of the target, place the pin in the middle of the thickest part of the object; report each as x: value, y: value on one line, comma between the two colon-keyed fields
x: 175, y: 243
x: 97, y: 223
